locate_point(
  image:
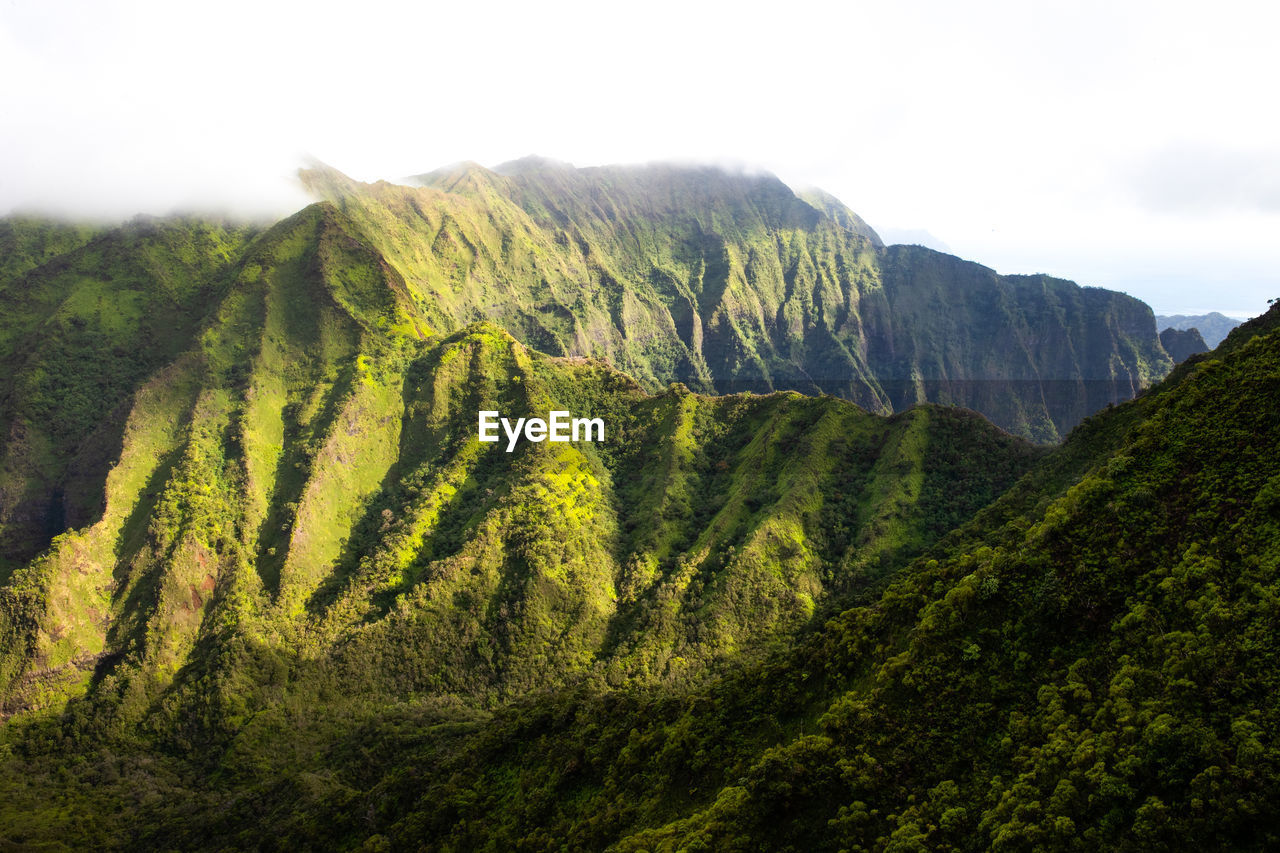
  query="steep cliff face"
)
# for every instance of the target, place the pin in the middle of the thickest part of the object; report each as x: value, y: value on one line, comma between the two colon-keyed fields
x: 733, y: 282
x: 1033, y: 353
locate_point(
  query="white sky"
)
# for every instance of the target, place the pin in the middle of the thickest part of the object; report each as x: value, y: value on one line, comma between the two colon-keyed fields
x: 1134, y: 146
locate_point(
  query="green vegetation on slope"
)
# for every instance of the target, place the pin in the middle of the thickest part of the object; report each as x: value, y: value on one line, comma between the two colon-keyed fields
x: 731, y: 283
x: 347, y: 517
x: 264, y: 586
x: 1090, y: 662
x: 722, y: 282
x: 79, y: 335
x: 300, y: 517
x: 27, y: 242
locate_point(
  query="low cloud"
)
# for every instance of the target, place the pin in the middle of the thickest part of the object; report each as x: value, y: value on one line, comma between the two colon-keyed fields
x: 913, y: 237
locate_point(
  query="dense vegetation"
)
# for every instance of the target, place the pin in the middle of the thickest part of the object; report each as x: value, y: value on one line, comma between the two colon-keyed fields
x: 309, y: 472
x: 263, y: 588
x: 725, y: 283
x: 80, y: 331
x: 1089, y: 663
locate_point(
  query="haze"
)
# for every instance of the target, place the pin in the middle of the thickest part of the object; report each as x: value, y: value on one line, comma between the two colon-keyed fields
x: 1130, y: 147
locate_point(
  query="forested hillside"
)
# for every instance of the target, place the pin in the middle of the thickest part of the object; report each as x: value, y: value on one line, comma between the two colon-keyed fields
x: 1090, y: 662
x: 307, y: 468
x: 262, y: 586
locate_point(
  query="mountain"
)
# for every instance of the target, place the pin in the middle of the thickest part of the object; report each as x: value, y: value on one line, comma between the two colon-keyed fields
x: 1213, y: 327
x: 1088, y: 660
x: 263, y: 586
x: 724, y: 282
x: 27, y: 242
x: 305, y: 462
x: 1181, y: 344
x: 294, y: 508
x: 80, y: 333
x: 730, y: 282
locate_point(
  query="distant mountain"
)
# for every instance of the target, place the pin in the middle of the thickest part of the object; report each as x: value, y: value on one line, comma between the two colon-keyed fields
x: 730, y: 282
x: 1213, y: 327
x: 1181, y: 343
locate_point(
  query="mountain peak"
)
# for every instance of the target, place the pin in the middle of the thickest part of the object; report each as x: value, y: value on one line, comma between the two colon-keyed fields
x: 731, y: 280
x: 322, y: 181
x: 456, y: 177
x: 1213, y: 327
x: 532, y: 163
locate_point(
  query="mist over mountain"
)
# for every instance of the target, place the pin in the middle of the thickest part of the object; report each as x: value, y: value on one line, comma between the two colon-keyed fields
x: 877, y: 549
x: 915, y: 237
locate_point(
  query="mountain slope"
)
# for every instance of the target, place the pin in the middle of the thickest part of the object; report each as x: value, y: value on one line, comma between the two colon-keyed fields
x: 27, y: 242
x: 264, y: 586
x: 1090, y: 662
x: 343, y: 506
x: 252, y: 436
x: 79, y: 334
x: 733, y: 282
x: 299, y: 510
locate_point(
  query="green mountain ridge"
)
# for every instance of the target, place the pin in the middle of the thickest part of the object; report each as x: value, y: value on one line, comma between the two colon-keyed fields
x: 733, y: 282
x: 1088, y: 662
x: 313, y: 457
x: 723, y: 282
x: 644, y: 557
x: 262, y: 587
